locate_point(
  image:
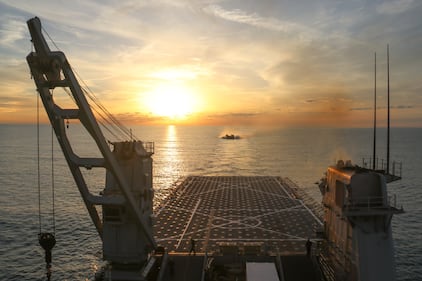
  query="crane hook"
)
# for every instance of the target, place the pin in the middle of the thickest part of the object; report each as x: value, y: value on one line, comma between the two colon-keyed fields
x: 47, y: 242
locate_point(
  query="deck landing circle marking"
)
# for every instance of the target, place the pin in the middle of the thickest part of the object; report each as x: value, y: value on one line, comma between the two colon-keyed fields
x: 240, y: 223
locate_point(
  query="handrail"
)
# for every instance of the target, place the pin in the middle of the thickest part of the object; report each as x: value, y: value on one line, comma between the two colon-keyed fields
x: 149, y: 147
x: 371, y: 202
x: 381, y: 165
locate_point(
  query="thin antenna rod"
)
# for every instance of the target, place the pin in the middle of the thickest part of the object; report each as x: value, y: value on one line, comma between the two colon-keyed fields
x: 375, y: 112
x: 388, y: 110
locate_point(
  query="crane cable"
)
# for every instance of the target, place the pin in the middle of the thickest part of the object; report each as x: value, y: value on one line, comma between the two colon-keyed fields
x: 52, y: 180
x: 39, y: 172
x: 47, y: 240
x: 99, y: 108
x: 38, y: 164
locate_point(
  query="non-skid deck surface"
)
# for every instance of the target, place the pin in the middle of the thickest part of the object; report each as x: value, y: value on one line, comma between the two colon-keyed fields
x: 238, y: 211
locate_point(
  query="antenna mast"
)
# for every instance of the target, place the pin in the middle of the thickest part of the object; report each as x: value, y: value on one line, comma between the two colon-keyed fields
x: 388, y: 110
x: 375, y: 113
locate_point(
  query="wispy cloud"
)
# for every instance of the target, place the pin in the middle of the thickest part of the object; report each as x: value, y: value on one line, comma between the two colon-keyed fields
x: 401, y: 107
x: 12, y: 29
x: 394, y: 7
x: 255, y: 20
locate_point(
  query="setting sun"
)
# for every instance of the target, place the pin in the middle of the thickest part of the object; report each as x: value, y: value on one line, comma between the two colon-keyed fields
x: 172, y: 100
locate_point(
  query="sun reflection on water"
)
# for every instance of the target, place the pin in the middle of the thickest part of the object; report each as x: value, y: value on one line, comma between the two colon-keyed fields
x: 171, y: 152
x: 168, y: 165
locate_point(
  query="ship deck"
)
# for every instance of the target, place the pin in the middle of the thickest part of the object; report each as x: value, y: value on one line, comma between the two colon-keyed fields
x: 234, y: 215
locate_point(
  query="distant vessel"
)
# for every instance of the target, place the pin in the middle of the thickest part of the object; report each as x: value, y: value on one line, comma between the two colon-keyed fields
x: 230, y: 137
x: 218, y: 227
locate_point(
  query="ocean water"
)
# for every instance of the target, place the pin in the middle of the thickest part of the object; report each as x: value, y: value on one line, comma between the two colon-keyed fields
x: 302, y: 154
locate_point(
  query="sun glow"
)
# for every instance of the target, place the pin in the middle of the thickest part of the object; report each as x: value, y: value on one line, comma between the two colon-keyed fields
x: 172, y: 100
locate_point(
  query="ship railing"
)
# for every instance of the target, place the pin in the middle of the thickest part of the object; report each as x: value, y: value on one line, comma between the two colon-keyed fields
x: 149, y: 146
x: 146, y: 148
x: 381, y: 165
x: 372, y: 203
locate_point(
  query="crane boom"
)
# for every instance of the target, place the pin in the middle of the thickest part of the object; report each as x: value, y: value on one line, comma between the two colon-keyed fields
x: 127, y: 197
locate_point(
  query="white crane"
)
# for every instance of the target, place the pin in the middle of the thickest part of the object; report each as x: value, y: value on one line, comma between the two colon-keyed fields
x: 126, y: 224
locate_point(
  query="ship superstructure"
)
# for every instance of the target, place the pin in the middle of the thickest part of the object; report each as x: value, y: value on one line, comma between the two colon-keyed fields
x: 357, y: 222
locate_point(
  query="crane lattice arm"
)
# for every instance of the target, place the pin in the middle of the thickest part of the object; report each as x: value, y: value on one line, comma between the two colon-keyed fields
x: 130, y: 195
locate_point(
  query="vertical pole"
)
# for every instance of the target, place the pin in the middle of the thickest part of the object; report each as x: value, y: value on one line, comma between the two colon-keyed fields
x: 38, y: 163
x: 388, y: 110
x: 375, y: 112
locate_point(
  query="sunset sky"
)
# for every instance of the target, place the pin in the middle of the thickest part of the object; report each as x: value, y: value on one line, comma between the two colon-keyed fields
x: 216, y: 62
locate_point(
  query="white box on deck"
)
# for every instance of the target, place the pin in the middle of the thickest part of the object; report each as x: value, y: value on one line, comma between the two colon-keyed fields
x: 261, y: 271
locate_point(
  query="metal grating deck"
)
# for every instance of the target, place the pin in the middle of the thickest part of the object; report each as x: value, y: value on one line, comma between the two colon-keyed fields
x: 241, y: 212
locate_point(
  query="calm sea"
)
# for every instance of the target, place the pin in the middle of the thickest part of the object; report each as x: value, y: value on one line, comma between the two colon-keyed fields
x: 300, y: 154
